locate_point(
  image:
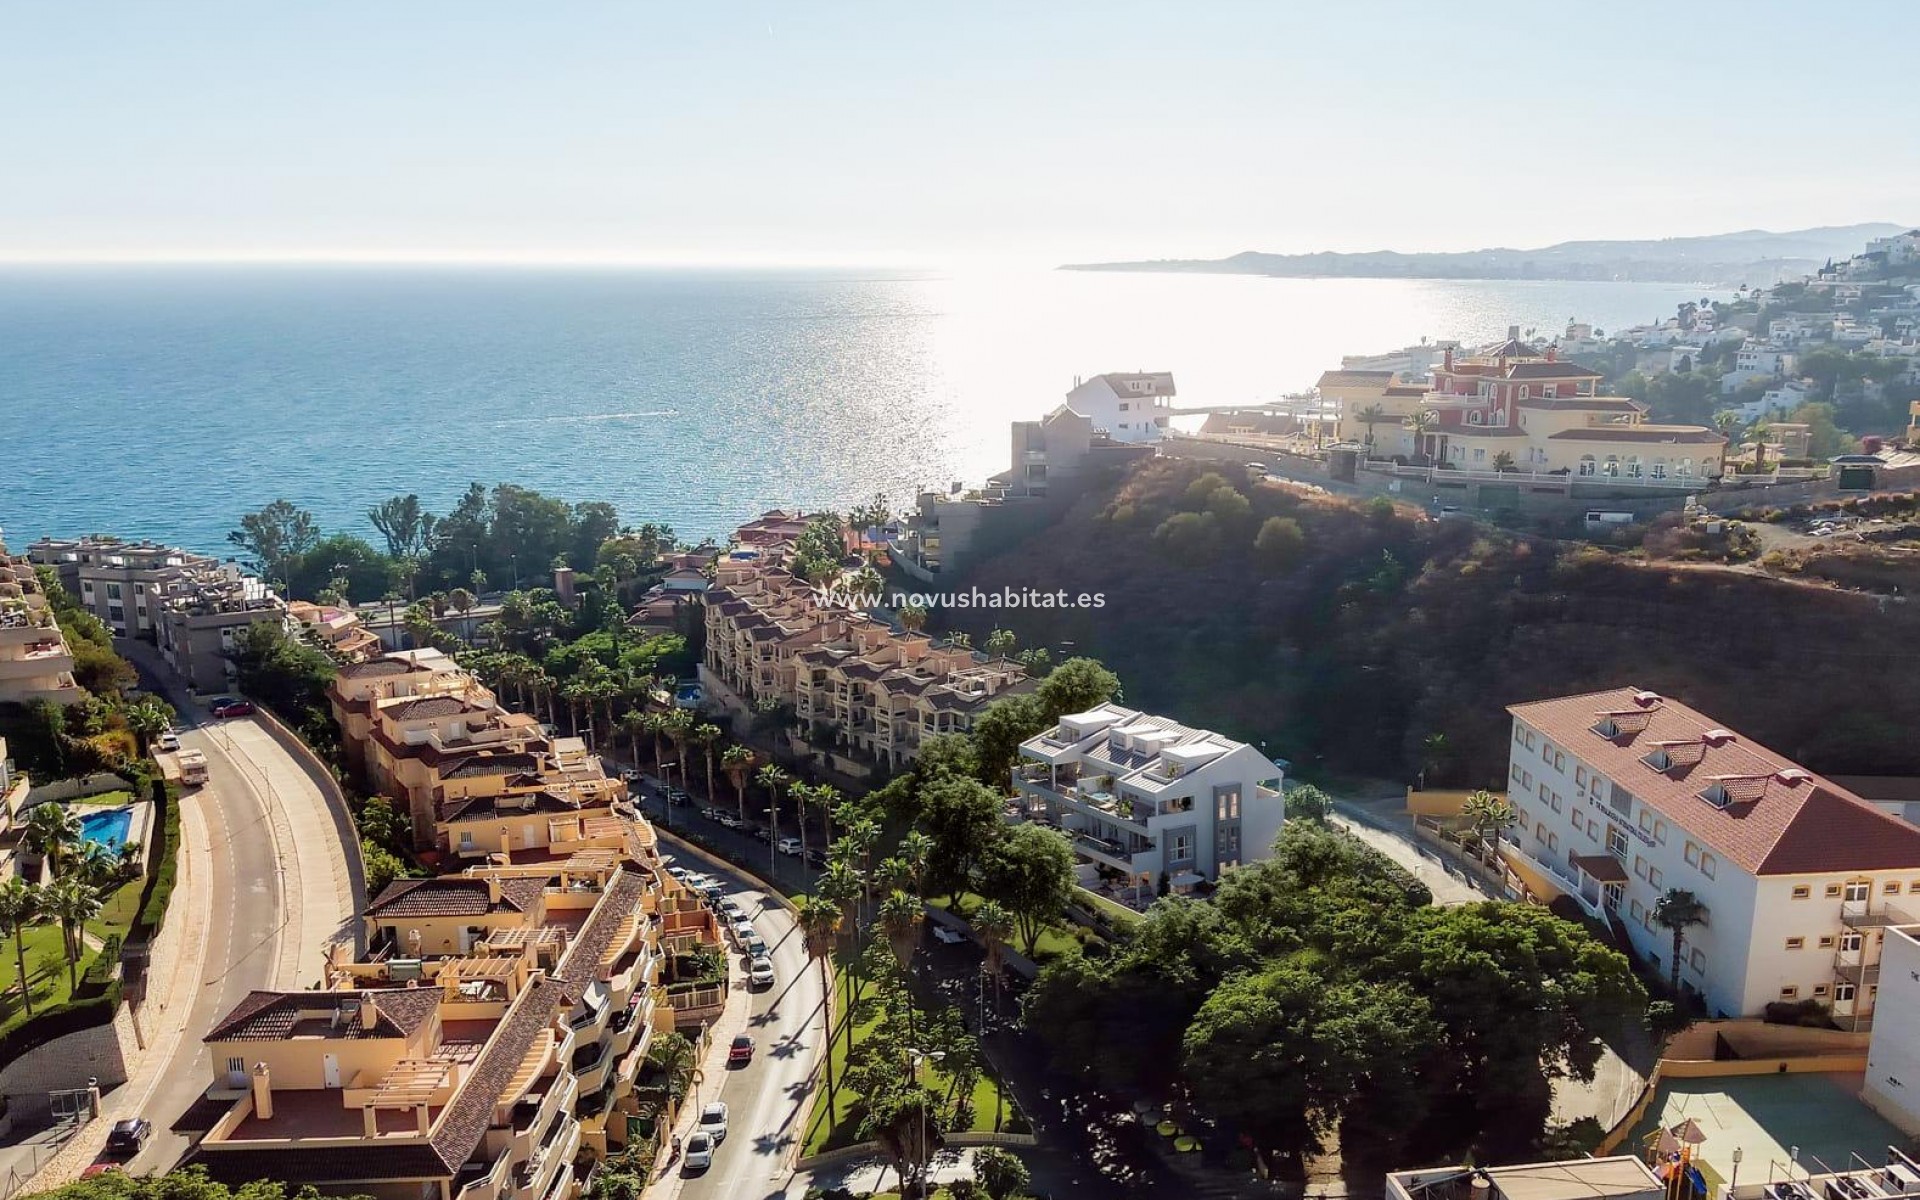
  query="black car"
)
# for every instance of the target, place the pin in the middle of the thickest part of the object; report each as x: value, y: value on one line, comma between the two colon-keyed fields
x: 129, y: 1136
x: 762, y: 834
x: 816, y: 857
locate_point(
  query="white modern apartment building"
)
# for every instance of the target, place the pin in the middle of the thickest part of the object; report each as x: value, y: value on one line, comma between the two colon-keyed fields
x: 1892, y: 1086
x: 118, y: 581
x: 1624, y: 795
x: 1129, y: 406
x: 1144, y: 796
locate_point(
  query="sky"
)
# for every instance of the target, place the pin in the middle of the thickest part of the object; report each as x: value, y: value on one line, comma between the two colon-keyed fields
x: 916, y: 132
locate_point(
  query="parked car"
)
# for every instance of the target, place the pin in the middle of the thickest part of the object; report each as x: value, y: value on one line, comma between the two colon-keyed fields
x: 762, y: 834
x: 756, y: 947
x: 680, y: 873
x: 228, y: 706
x: 760, y: 972
x: 728, y: 820
x: 128, y: 1136
x: 790, y: 847
x: 816, y: 857
x: 714, y: 815
x: 741, y: 1052
x: 731, y: 907
x: 678, y: 798
x: 743, y: 930
x: 699, y: 1151
x: 713, y: 1121
x: 168, y: 741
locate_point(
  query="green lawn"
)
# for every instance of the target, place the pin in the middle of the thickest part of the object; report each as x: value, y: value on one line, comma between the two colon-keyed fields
x: 118, y: 912
x: 1055, y: 939
x: 1114, y: 911
x: 838, y: 1124
x: 46, y: 968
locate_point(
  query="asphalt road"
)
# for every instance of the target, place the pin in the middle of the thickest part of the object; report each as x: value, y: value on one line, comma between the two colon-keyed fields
x: 767, y: 1098
x: 243, y: 937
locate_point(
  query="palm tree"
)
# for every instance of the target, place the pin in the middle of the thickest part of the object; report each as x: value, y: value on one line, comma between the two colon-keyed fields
x: 900, y: 917
x: 1434, y: 750
x: 674, y: 1057
x: 862, y: 836
x: 826, y: 798
x: 54, y: 833
x: 736, y: 761
x: 706, y: 736
x: 772, y: 778
x: 73, y: 904
x: 20, y: 910
x: 802, y: 794
x: 915, y: 850
x: 655, y: 726
x: 461, y: 600
x: 843, y: 884
x: 148, y: 720
x: 913, y: 618
x: 1488, y: 816
x: 678, y: 726
x: 995, y: 925
x: 819, y: 920
x: 1678, y: 911
x: 635, y: 724
x: 1421, y: 422
x: 1370, y: 416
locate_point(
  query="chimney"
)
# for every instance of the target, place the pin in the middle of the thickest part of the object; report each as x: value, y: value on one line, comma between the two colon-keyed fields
x: 1447, y: 360
x: 493, y: 889
x: 369, y: 1012
x: 1553, y: 352
x: 1513, y: 333
x: 262, y: 1092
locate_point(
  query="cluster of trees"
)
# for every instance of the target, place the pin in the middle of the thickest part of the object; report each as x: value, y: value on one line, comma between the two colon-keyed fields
x: 109, y: 728
x: 1319, y: 994
x: 187, y: 1183
x: 491, y: 538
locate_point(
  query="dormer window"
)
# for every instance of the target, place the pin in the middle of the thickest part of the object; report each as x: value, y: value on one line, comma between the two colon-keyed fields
x: 1659, y: 760
x: 1607, y: 728
x: 1717, y: 795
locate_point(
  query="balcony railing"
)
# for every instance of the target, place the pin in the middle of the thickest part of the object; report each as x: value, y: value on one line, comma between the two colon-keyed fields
x: 1863, y: 914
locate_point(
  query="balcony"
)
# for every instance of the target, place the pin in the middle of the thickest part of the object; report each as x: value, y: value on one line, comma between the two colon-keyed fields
x: 1847, y: 966
x: 1091, y: 802
x: 485, y: 1181
x: 1114, y: 854
x: 1863, y: 914
x: 553, y: 1155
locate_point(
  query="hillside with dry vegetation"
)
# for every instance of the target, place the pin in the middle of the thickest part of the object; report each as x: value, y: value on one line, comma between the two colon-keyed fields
x: 1345, y: 635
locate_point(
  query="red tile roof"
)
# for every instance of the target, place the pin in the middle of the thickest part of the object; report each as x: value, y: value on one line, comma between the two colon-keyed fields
x: 1779, y: 818
x: 270, y: 1016
x: 454, y: 896
x: 1355, y: 378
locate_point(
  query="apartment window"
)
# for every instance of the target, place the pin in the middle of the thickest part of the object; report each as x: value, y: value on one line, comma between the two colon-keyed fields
x: 1519, y: 735
x: 1515, y: 774
x: 1802, y: 892
x: 1559, y: 761
x: 1842, y: 993
x: 1691, y: 854
x: 1850, y: 943
x: 1826, y: 941
x: 1639, y: 866
x: 1637, y: 910
x: 1646, y: 820
x: 1530, y: 739
x: 1580, y: 777
x: 1892, y: 888
x: 1708, y: 865
x: 1616, y: 841
x: 1553, y: 798
x: 1859, y: 889
x: 1790, y: 992
x: 1526, y: 780
x: 1819, y: 990
x: 1654, y: 876
x: 113, y: 591
x: 1699, y: 960
x: 1553, y: 842
x: 1796, y: 943
x: 86, y: 585
x: 1833, y: 891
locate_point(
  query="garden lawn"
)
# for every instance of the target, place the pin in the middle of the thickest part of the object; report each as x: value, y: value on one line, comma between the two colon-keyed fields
x: 839, y: 1125
x: 1056, y: 937
x: 46, y: 966
x: 118, y: 911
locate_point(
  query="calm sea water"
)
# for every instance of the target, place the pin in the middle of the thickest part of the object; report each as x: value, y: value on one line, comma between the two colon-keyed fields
x: 163, y: 402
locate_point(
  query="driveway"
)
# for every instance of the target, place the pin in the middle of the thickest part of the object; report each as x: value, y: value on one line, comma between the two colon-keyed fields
x: 1385, y: 824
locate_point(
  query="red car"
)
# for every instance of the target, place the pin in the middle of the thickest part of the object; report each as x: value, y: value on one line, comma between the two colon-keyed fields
x: 227, y: 706
x: 741, y: 1051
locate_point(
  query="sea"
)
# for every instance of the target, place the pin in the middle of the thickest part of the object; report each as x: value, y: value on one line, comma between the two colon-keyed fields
x: 165, y: 401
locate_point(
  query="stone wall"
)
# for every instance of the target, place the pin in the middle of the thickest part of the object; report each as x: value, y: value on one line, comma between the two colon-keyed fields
x: 68, y: 1062
x: 75, y: 789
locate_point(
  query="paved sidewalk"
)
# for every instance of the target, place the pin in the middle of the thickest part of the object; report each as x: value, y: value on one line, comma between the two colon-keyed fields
x: 667, y: 1177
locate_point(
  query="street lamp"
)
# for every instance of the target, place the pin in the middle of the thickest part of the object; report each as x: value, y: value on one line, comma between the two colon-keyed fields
x: 666, y: 789
x: 1735, y: 1181
x: 916, y: 1057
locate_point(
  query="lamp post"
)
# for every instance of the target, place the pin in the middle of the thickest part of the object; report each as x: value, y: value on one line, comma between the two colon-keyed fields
x: 666, y: 789
x: 916, y: 1057
x: 1734, y: 1182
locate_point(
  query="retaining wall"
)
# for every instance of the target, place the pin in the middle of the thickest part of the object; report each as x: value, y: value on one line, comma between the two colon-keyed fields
x: 68, y: 1062
x: 75, y: 789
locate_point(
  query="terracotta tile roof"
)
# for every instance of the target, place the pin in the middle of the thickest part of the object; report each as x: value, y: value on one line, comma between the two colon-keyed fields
x: 582, y: 960
x: 1550, y: 370
x: 471, y: 1111
x: 454, y: 896
x: 1777, y: 818
x: 1657, y: 434
x: 270, y: 1016
x: 375, y: 667
x: 491, y: 763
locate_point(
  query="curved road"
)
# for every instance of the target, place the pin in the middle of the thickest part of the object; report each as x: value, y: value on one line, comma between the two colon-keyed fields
x: 767, y: 1098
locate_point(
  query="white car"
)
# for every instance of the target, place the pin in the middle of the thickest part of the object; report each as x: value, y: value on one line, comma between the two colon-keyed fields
x: 168, y: 741
x: 713, y: 1121
x: 760, y: 972
x: 699, y: 1151
x: 743, y: 932
x: 790, y: 846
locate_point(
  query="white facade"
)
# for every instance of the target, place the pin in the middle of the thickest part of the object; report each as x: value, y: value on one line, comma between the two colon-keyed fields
x: 1892, y: 1086
x: 1128, y: 407
x: 1805, y: 920
x: 1145, y: 796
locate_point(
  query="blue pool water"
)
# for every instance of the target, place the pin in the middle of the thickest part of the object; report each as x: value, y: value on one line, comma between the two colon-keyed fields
x: 109, y: 826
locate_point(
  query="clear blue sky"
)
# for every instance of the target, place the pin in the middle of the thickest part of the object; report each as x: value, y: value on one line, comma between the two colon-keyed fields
x: 920, y: 131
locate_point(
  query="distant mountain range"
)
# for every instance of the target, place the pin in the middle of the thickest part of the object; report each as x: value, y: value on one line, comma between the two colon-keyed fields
x: 1754, y: 256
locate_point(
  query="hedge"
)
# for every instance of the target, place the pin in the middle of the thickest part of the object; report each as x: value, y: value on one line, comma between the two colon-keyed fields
x: 82, y: 1012
x: 163, y: 866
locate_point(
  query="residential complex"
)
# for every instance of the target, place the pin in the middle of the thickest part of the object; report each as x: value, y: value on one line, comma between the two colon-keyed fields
x: 193, y: 607
x: 1518, y: 408
x: 35, y: 661
x: 866, y: 686
x: 336, y: 630
x: 423, y: 731
x: 1148, y: 800
x: 494, y: 1030
x: 1625, y: 795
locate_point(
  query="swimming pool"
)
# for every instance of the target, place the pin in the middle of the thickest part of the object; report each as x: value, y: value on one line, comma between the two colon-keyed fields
x: 108, y: 826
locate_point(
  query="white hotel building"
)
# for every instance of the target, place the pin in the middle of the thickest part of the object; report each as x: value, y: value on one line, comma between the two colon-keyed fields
x: 1145, y: 796
x: 1624, y: 795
